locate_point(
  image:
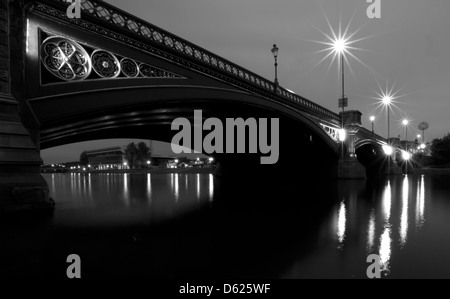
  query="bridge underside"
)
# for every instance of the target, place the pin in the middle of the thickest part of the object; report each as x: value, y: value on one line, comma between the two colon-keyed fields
x: 304, y: 147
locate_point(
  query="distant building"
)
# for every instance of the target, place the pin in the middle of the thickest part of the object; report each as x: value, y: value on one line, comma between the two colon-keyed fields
x: 107, y: 158
x: 415, y: 147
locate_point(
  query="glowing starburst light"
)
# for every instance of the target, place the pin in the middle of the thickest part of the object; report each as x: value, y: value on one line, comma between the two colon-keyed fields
x: 387, y: 97
x: 340, y: 43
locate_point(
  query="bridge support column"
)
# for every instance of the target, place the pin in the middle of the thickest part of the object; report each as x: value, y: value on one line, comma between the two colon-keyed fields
x: 349, y: 167
x: 21, y: 185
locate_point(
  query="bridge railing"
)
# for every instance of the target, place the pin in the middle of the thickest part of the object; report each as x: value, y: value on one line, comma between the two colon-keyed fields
x: 134, y: 26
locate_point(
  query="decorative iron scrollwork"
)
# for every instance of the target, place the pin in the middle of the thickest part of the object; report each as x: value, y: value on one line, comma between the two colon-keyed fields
x: 153, y: 72
x: 129, y: 67
x: 68, y: 60
x: 332, y: 132
x: 105, y: 64
x: 65, y: 59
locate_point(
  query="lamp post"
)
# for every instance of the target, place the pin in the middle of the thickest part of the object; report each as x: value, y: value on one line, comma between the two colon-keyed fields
x: 405, y: 122
x: 275, y: 55
x: 406, y: 155
x: 372, y: 119
x: 339, y: 47
x: 387, y: 102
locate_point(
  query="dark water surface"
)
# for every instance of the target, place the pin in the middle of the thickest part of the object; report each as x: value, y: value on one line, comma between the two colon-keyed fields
x: 201, y: 226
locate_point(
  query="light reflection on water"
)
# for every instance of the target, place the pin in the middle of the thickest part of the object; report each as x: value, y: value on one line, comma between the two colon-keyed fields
x: 341, y: 225
x: 420, y: 203
x: 403, y: 229
x: 126, y: 198
x: 371, y: 232
x: 388, y: 218
x: 396, y: 198
x: 385, y: 218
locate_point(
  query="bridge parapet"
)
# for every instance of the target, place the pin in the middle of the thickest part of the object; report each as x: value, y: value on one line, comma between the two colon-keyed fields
x: 116, y: 23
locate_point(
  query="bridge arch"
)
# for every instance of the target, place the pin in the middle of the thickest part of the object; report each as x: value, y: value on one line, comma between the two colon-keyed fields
x: 118, y: 112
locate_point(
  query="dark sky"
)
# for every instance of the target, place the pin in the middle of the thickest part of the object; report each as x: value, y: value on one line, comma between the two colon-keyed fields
x: 409, y: 46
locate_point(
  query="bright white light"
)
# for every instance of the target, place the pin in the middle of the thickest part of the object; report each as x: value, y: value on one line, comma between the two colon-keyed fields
x: 418, y: 136
x: 405, y: 122
x: 387, y: 100
x: 385, y: 249
x: 340, y: 45
x: 148, y: 162
x: 342, y: 135
x: 89, y: 165
x: 84, y: 168
x: 387, y: 97
x: 28, y: 36
x: 198, y: 159
x: 53, y: 165
x: 406, y: 155
x: 211, y: 159
x: 387, y: 150
x: 423, y: 146
x: 371, y: 231
x: 290, y: 90
x: 403, y: 229
x: 341, y: 223
x: 372, y: 118
x: 125, y: 163
x: 176, y: 161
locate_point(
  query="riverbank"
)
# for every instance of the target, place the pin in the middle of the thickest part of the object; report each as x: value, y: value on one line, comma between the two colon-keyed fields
x: 195, y: 170
x: 434, y: 170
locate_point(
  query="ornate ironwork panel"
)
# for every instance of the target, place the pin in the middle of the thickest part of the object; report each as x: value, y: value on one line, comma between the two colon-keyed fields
x: 66, y: 59
x: 69, y: 60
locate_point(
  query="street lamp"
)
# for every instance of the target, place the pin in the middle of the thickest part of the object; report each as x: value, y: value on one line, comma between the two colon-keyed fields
x: 406, y: 156
x: 340, y: 46
x: 342, y: 135
x: 387, y: 100
x: 372, y: 119
x: 275, y: 55
x: 388, y: 150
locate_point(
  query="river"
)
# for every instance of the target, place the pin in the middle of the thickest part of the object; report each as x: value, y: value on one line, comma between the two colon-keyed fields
x: 201, y: 226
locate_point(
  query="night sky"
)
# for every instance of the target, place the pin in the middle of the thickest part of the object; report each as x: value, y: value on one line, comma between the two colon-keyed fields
x: 408, y: 49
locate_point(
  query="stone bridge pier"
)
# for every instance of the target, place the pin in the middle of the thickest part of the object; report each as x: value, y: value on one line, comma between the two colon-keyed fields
x: 348, y: 166
x: 21, y: 185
